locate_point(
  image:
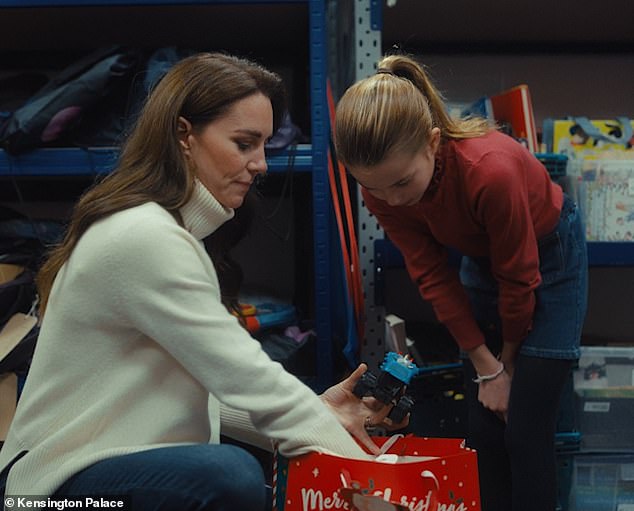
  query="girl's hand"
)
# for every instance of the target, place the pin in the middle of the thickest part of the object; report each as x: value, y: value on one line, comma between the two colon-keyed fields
x: 357, y: 414
x: 494, y: 394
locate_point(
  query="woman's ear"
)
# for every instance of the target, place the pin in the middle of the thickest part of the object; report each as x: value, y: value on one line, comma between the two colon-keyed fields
x: 184, y: 130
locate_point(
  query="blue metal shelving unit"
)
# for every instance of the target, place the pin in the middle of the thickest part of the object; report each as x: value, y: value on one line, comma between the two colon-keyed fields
x: 321, y: 190
x: 100, y: 160
x: 308, y: 157
x: 600, y: 253
x: 610, y: 253
x: 84, y: 3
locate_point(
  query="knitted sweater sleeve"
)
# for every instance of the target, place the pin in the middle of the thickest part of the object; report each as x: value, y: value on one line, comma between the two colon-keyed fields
x: 502, y: 205
x: 427, y: 263
x: 237, y: 424
x: 164, y: 286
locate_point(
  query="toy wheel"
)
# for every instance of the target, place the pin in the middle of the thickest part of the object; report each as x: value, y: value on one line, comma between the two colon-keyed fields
x: 365, y: 385
x: 401, y: 409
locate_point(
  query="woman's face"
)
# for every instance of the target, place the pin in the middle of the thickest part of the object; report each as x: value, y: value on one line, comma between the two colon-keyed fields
x: 229, y: 152
x: 401, y: 179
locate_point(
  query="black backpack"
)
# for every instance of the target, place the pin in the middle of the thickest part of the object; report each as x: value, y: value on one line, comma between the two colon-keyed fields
x: 59, y: 106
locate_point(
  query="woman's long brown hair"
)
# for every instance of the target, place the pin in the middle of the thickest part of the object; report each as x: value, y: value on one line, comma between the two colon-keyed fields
x: 151, y: 166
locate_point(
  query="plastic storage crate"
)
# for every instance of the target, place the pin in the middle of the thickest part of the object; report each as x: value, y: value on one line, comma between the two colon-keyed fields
x: 602, y: 482
x: 556, y: 164
x: 604, y: 398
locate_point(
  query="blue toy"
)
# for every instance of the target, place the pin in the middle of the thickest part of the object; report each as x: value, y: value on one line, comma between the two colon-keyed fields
x: 396, y: 373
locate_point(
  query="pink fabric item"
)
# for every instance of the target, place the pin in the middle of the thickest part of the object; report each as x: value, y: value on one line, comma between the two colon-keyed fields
x: 60, y: 122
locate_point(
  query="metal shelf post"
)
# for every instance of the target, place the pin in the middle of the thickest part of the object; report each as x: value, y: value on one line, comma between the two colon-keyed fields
x: 321, y: 193
x: 367, y: 34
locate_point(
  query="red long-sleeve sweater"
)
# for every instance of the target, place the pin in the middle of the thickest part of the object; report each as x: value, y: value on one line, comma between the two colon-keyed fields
x: 489, y: 197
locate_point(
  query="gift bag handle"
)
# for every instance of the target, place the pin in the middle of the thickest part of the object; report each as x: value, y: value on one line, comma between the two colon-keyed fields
x: 390, y: 443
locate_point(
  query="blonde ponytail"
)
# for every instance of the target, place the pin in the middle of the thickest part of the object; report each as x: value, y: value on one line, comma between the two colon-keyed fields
x: 394, y: 111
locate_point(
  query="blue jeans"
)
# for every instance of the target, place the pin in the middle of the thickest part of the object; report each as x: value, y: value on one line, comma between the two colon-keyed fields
x: 182, y: 478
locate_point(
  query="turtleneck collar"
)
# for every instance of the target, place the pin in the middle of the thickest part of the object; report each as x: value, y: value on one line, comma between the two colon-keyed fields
x: 203, y: 214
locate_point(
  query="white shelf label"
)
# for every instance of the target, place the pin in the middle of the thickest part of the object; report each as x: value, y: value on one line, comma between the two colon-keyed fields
x: 602, y: 407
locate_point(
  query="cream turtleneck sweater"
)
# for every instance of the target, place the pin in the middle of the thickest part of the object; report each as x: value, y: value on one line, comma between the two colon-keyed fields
x: 136, y: 351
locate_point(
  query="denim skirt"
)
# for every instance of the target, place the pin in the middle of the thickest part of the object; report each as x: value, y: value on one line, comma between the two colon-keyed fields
x: 561, y: 298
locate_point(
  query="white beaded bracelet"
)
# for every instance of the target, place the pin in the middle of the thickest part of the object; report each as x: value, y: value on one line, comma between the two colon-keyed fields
x: 489, y: 377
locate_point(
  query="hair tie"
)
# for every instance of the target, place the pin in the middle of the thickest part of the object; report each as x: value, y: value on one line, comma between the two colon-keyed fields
x: 384, y: 71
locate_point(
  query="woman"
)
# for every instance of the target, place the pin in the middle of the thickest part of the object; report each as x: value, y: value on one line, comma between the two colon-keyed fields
x: 139, y: 366
x: 517, y: 305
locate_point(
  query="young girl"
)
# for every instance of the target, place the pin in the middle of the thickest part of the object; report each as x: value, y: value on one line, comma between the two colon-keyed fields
x: 517, y: 304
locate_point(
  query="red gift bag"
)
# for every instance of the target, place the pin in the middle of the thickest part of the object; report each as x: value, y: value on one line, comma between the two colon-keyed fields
x: 416, y: 474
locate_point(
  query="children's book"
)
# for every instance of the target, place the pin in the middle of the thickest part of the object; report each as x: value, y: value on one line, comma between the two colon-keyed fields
x: 513, y: 109
x: 606, y: 196
x: 582, y: 138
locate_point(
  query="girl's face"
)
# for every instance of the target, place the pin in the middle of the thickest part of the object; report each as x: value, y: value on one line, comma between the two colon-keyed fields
x: 400, y: 179
x: 229, y: 152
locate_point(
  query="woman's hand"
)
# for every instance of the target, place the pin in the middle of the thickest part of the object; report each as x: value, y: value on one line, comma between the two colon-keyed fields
x: 357, y: 414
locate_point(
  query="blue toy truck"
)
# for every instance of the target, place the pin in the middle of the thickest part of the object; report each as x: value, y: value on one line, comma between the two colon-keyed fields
x: 396, y: 372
